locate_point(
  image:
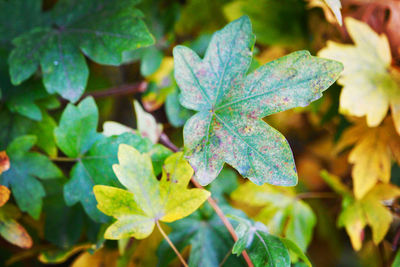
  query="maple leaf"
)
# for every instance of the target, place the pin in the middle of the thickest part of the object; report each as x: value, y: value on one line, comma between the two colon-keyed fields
x: 370, y: 84
x: 25, y: 168
x: 11, y: 230
x: 77, y: 137
x: 228, y: 126
x: 372, y: 154
x: 148, y: 200
x: 4, y: 195
x: 331, y: 9
x: 356, y: 214
x: 102, y: 30
x: 4, y: 162
x: 281, y: 212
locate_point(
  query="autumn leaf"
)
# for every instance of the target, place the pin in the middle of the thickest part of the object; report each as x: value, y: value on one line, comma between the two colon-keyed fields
x: 371, y: 155
x: 228, y: 126
x: 370, y: 83
x: 4, y: 195
x: 148, y: 200
x: 370, y: 210
x: 4, y: 162
x: 95, y: 154
x: 331, y: 9
x: 11, y: 230
x: 147, y: 124
x: 281, y: 211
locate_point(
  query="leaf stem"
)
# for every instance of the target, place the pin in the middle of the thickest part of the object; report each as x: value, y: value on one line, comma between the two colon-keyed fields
x: 316, y: 195
x: 165, y: 141
x: 64, y: 159
x: 171, y: 245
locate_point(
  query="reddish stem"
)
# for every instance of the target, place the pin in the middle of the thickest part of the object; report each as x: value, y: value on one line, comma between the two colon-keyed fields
x: 165, y: 141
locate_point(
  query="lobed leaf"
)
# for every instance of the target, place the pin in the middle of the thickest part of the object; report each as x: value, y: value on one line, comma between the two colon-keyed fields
x: 147, y: 199
x: 228, y: 126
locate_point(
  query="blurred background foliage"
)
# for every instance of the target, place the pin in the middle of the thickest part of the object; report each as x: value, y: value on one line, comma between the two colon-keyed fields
x: 333, y: 223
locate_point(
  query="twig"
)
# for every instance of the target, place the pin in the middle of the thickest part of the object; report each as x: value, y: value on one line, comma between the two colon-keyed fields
x: 64, y: 159
x: 316, y: 195
x: 125, y: 89
x: 396, y: 239
x: 171, y: 245
x: 165, y: 140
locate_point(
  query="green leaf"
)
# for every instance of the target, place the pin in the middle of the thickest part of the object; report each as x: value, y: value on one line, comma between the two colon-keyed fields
x: 26, y: 168
x: 18, y: 125
x: 77, y: 130
x: 102, y: 30
x: 275, y: 22
x: 294, y: 249
x: 150, y: 61
x: 396, y: 261
x: 228, y: 126
x: 209, y: 241
x: 148, y: 200
x: 18, y: 16
x: 77, y: 138
x: 264, y: 249
x: 177, y: 114
x: 281, y: 211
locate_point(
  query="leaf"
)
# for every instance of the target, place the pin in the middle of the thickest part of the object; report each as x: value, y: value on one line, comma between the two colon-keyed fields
x: 148, y: 200
x: 18, y: 16
x: 76, y: 132
x: 369, y: 210
x: 147, y: 124
x: 228, y: 126
x: 396, y: 261
x: 372, y: 154
x: 4, y: 162
x: 102, y: 257
x: 111, y: 128
x: 60, y: 256
x: 275, y: 22
x: 370, y: 84
x: 281, y: 211
x: 22, y: 177
x: 102, y: 30
x: 209, y: 240
x: 264, y: 249
x: 11, y: 230
x: 331, y: 9
x: 4, y: 195
x: 292, y: 247
x: 177, y: 115
x: 95, y: 154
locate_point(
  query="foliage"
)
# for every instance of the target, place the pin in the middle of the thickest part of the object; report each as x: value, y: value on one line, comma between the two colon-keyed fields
x: 118, y: 117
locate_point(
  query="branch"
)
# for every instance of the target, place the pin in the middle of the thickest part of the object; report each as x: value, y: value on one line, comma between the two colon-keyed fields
x: 172, y: 245
x: 165, y: 141
x: 125, y: 89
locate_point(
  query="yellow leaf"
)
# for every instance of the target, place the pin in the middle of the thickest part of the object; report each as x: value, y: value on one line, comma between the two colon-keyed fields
x: 4, y: 195
x: 147, y: 199
x: 102, y: 257
x: 370, y: 84
x: 372, y: 154
x: 368, y: 211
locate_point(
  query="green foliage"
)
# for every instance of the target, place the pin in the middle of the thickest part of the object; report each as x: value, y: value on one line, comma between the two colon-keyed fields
x: 26, y: 168
x: 102, y: 30
x: 185, y: 101
x: 230, y: 105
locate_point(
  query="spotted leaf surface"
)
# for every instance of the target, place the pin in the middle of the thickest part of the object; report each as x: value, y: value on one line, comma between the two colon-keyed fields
x: 230, y: 105
x: 147, y: 200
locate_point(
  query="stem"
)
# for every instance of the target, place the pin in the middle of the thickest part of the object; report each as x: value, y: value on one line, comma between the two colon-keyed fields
x: 165, y: 141
x: 316, y: 195
x: 171, y: 245
x: 225, y: 221
x: 65, y: 159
